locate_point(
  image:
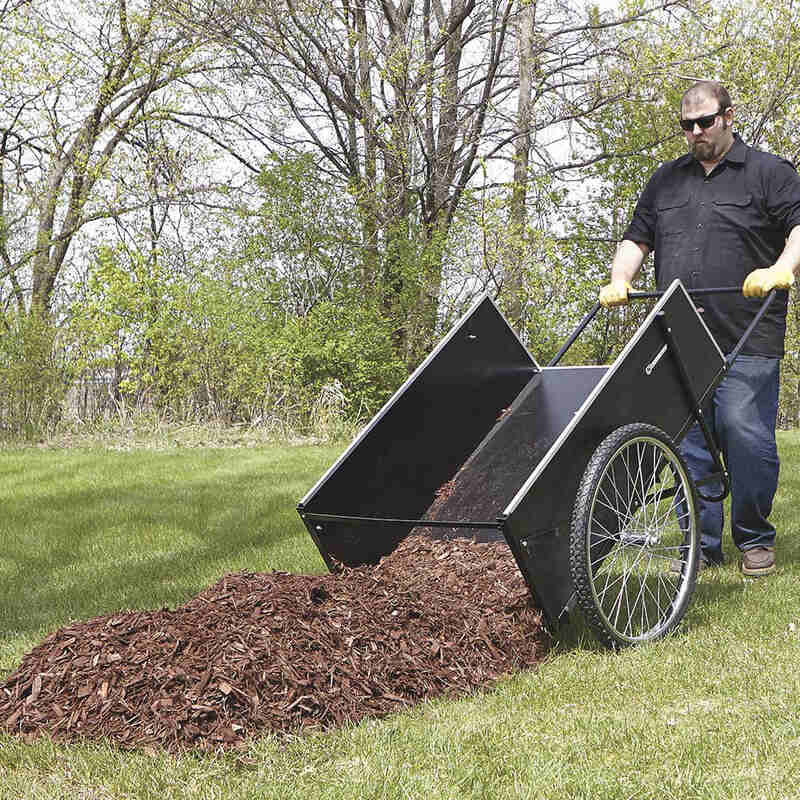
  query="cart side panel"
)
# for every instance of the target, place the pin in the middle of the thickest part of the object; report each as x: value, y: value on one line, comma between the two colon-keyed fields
x: 420, y: 438
x: 502, y: 462
x: 543, y: 560
x: 643, y: 385
x: 540, y: 545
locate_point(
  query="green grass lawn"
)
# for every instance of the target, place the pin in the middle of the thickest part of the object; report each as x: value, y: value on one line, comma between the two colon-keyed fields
x: 711, y: 712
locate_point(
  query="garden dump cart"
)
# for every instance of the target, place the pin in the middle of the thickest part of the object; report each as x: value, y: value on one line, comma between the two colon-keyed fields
x: 576, y: 467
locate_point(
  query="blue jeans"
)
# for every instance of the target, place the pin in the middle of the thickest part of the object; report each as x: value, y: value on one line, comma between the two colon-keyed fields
x: 741, y: 414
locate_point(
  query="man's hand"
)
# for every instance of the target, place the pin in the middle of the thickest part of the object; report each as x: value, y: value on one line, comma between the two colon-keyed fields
x: 615, y: 293
x: 761, y: 281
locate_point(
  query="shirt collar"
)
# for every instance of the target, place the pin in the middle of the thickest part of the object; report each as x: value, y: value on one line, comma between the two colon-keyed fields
x: 738, y: 152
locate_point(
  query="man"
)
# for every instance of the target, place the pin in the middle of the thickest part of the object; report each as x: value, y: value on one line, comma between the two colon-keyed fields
x: 725, y: 214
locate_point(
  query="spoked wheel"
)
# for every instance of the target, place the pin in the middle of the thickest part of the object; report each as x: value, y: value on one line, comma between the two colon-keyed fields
x: 634, y: 539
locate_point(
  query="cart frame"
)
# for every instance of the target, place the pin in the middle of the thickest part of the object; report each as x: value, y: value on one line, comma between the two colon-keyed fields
x: 480, y: 413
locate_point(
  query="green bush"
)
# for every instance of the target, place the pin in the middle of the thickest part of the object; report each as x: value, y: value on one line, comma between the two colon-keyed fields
x: 342, y: 347
x: 34, y: 376
x: 187, y: 349
x: 210, y: 349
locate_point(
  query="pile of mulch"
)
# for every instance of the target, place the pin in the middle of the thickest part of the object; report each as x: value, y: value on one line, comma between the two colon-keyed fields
x: 280, y: 652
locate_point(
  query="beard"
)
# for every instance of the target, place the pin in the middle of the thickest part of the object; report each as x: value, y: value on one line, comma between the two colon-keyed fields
x: 704, y: 151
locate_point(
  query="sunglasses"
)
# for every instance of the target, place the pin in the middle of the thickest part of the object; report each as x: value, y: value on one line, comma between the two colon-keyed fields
x: 704, y: 122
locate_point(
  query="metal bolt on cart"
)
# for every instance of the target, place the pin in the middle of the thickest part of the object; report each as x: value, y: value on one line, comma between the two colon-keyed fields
x: 577, y: 467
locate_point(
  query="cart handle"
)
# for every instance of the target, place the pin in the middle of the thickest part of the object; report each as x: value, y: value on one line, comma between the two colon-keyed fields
x: 640, y: 295
x: 635, y: 294
x: 694, y: 402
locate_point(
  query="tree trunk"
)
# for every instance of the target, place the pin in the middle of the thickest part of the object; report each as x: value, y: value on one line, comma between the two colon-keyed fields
x: 514, y: 283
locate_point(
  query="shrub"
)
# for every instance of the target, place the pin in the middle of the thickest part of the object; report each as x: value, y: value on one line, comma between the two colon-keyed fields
x: 34, y: 376
x: 343, y: 345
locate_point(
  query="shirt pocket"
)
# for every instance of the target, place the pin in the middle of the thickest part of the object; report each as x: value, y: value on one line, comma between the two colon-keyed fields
x: 672, y: 216
x: 735, y: 211
x: 672, y: 225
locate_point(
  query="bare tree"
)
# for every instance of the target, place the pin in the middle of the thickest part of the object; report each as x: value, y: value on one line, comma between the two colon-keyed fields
x: 408, y: 101
x: 395, y: 98
x: 86, y: 92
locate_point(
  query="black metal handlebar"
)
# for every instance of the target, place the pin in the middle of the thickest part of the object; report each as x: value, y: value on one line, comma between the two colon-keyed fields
x: 692, y: 399
x: 635, y: 294
x: 641, y: 295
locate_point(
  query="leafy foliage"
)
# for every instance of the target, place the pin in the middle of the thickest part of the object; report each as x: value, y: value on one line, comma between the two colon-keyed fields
x: 302, y: 277
x: 210, y: 349
x: 34, y: 376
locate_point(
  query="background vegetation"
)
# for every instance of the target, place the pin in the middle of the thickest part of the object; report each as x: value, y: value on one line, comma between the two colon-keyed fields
x: 266, y: 213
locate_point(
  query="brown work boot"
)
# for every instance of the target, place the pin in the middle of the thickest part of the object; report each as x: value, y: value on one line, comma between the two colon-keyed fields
x: 758, y: 561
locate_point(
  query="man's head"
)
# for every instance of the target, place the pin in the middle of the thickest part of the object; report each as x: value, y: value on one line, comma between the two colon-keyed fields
x: 706, y: 118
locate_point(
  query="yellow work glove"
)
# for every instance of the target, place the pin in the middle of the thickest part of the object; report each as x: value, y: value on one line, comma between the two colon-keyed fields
x: 760, y: 281
x: 615, y: 293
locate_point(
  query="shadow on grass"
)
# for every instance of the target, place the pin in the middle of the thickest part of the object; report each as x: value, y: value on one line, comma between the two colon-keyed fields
x: 575, y: 634
x: 719, y: 595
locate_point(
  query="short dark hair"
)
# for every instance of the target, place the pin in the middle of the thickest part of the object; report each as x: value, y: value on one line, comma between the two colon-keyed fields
x: 703, y: 89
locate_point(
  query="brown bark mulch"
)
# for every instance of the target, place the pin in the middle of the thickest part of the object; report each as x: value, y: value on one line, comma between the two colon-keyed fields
x: 280, y: 652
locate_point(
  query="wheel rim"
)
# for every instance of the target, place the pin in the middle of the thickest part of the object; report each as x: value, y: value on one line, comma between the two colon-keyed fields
x: 641, y: 539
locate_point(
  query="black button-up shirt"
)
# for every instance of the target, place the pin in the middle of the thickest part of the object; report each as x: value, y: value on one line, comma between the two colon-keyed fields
x: 713, y: 230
